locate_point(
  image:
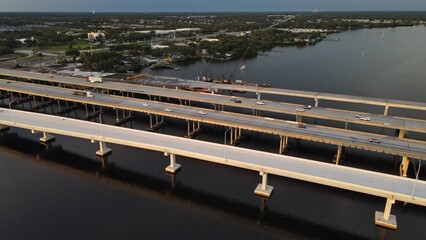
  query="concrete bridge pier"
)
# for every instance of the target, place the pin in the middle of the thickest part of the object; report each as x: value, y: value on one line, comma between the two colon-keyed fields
x: 67, y: 109
x: 47, y: 137
x: 256, y: 112
x: 403, y: 168
x: 283, y: 145
x: 385, y: 219
x: 124, y: 119
x: 263, y: 189
x: 316, y: 102
x: 184, y: 102
x: 339, y: 155
x: 299, y: 118
x: 219, y: 107
x: 401, y: 133
x: 155, y: 123
x: 386, y: 110
x: 173, y: 167
x: 193, y: 128
x: 235, y: 136
x: 103, y: 149
x: 259, y: 95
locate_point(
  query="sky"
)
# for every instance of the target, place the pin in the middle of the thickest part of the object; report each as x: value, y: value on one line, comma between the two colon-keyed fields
x: 208, y: 5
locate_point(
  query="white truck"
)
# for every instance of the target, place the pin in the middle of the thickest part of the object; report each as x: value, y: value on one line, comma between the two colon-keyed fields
x: 83, y: 93
x: 94, y: 79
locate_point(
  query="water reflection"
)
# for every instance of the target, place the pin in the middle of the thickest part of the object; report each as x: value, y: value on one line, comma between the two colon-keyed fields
x: 272, y: 223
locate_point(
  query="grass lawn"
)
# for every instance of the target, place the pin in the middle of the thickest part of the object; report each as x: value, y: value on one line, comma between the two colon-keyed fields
x: 80, y: 45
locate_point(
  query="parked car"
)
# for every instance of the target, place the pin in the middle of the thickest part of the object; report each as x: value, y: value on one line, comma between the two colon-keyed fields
x: 301, y: 125
x: 145, y: 104
x: 307, y: 107
x: 365, y: 119
x: 373, y: 140
x: 260, y: 103
x: 237, y: 101
x: 300, y: 109
x: 202, y: 112
x: 168, y: 110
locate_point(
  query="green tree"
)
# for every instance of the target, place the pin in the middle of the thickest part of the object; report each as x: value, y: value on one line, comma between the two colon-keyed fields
x: 73, y: 52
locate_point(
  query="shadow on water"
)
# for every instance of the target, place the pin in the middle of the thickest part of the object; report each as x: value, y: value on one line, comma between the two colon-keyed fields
x: 173, y: 192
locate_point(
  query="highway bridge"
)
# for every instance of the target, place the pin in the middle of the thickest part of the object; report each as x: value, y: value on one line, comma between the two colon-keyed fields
x: 406, y: 148
x: 402, y: 125
x: 392, y: 188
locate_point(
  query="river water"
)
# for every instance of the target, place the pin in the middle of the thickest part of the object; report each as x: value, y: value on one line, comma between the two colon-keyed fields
x: 63, y: 191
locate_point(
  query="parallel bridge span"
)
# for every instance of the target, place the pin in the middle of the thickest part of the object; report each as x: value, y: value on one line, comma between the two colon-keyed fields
x: 399, y: 123
x: 406, y: 148
x: 392, y: 188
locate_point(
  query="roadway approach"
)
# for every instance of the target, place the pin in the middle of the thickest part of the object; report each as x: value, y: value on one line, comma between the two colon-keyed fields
x: 402, y: 125
x: 392, y: 188
x: 406, y: 148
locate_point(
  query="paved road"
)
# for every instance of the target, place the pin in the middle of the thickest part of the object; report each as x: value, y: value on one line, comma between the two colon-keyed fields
x: 377, y: 184
x: 390, y: 145
x: 279, y: 107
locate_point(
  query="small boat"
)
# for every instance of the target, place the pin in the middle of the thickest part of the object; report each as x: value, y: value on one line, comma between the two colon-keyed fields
x: 243, y: 67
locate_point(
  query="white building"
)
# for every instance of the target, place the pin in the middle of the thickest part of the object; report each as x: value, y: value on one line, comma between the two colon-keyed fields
x: 93, y: 35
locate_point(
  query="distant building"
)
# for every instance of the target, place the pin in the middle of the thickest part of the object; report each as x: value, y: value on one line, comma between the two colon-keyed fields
x: 210, y: 39
x: 93, y: 35
x: 23, y: 40
x: 158, y: 46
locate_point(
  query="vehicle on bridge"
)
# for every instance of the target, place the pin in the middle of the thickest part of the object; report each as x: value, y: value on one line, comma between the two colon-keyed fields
x: 83, y: 93
x: 94, y: 79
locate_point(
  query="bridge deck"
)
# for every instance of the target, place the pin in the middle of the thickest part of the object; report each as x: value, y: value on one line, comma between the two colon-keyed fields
x: 316, y: 112
x: 377, y: 184
x: 390, y: 145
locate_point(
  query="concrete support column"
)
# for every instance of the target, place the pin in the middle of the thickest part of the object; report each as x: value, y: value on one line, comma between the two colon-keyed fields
x: 283, y: 144
x: 386, y: 110
x: 173, y: 167
x: 401, y: 133
x: 316, y: 102
x: 192, y: 128
x: 263, y: 189
x: 103, y: 150
x: 403, y: 168
x: 299, y: 119
x: 47, y: 137
x: 158, y: 123
x: 338, y: 155
x: 258, y: 95
x: 385, y: 219
x: 232, y: 137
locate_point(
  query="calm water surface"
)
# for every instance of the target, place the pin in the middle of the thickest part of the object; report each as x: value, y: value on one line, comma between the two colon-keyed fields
x: 62, y: 191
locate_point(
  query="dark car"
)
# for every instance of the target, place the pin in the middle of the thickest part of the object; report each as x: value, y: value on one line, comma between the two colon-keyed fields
x: 237, y: 101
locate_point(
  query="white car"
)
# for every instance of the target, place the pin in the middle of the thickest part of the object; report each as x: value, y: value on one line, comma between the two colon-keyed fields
x: 373, y: 140
x: 359, y: 116
x: 307, y: 107
x: 202, y: 112
x: 300, y: 109
x: 365, y: 119
x: 167, y: 109
x: 260, y: 103
x: 145, y: 104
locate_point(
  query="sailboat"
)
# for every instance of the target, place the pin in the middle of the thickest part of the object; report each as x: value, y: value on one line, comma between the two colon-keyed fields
x: 243, y: 67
